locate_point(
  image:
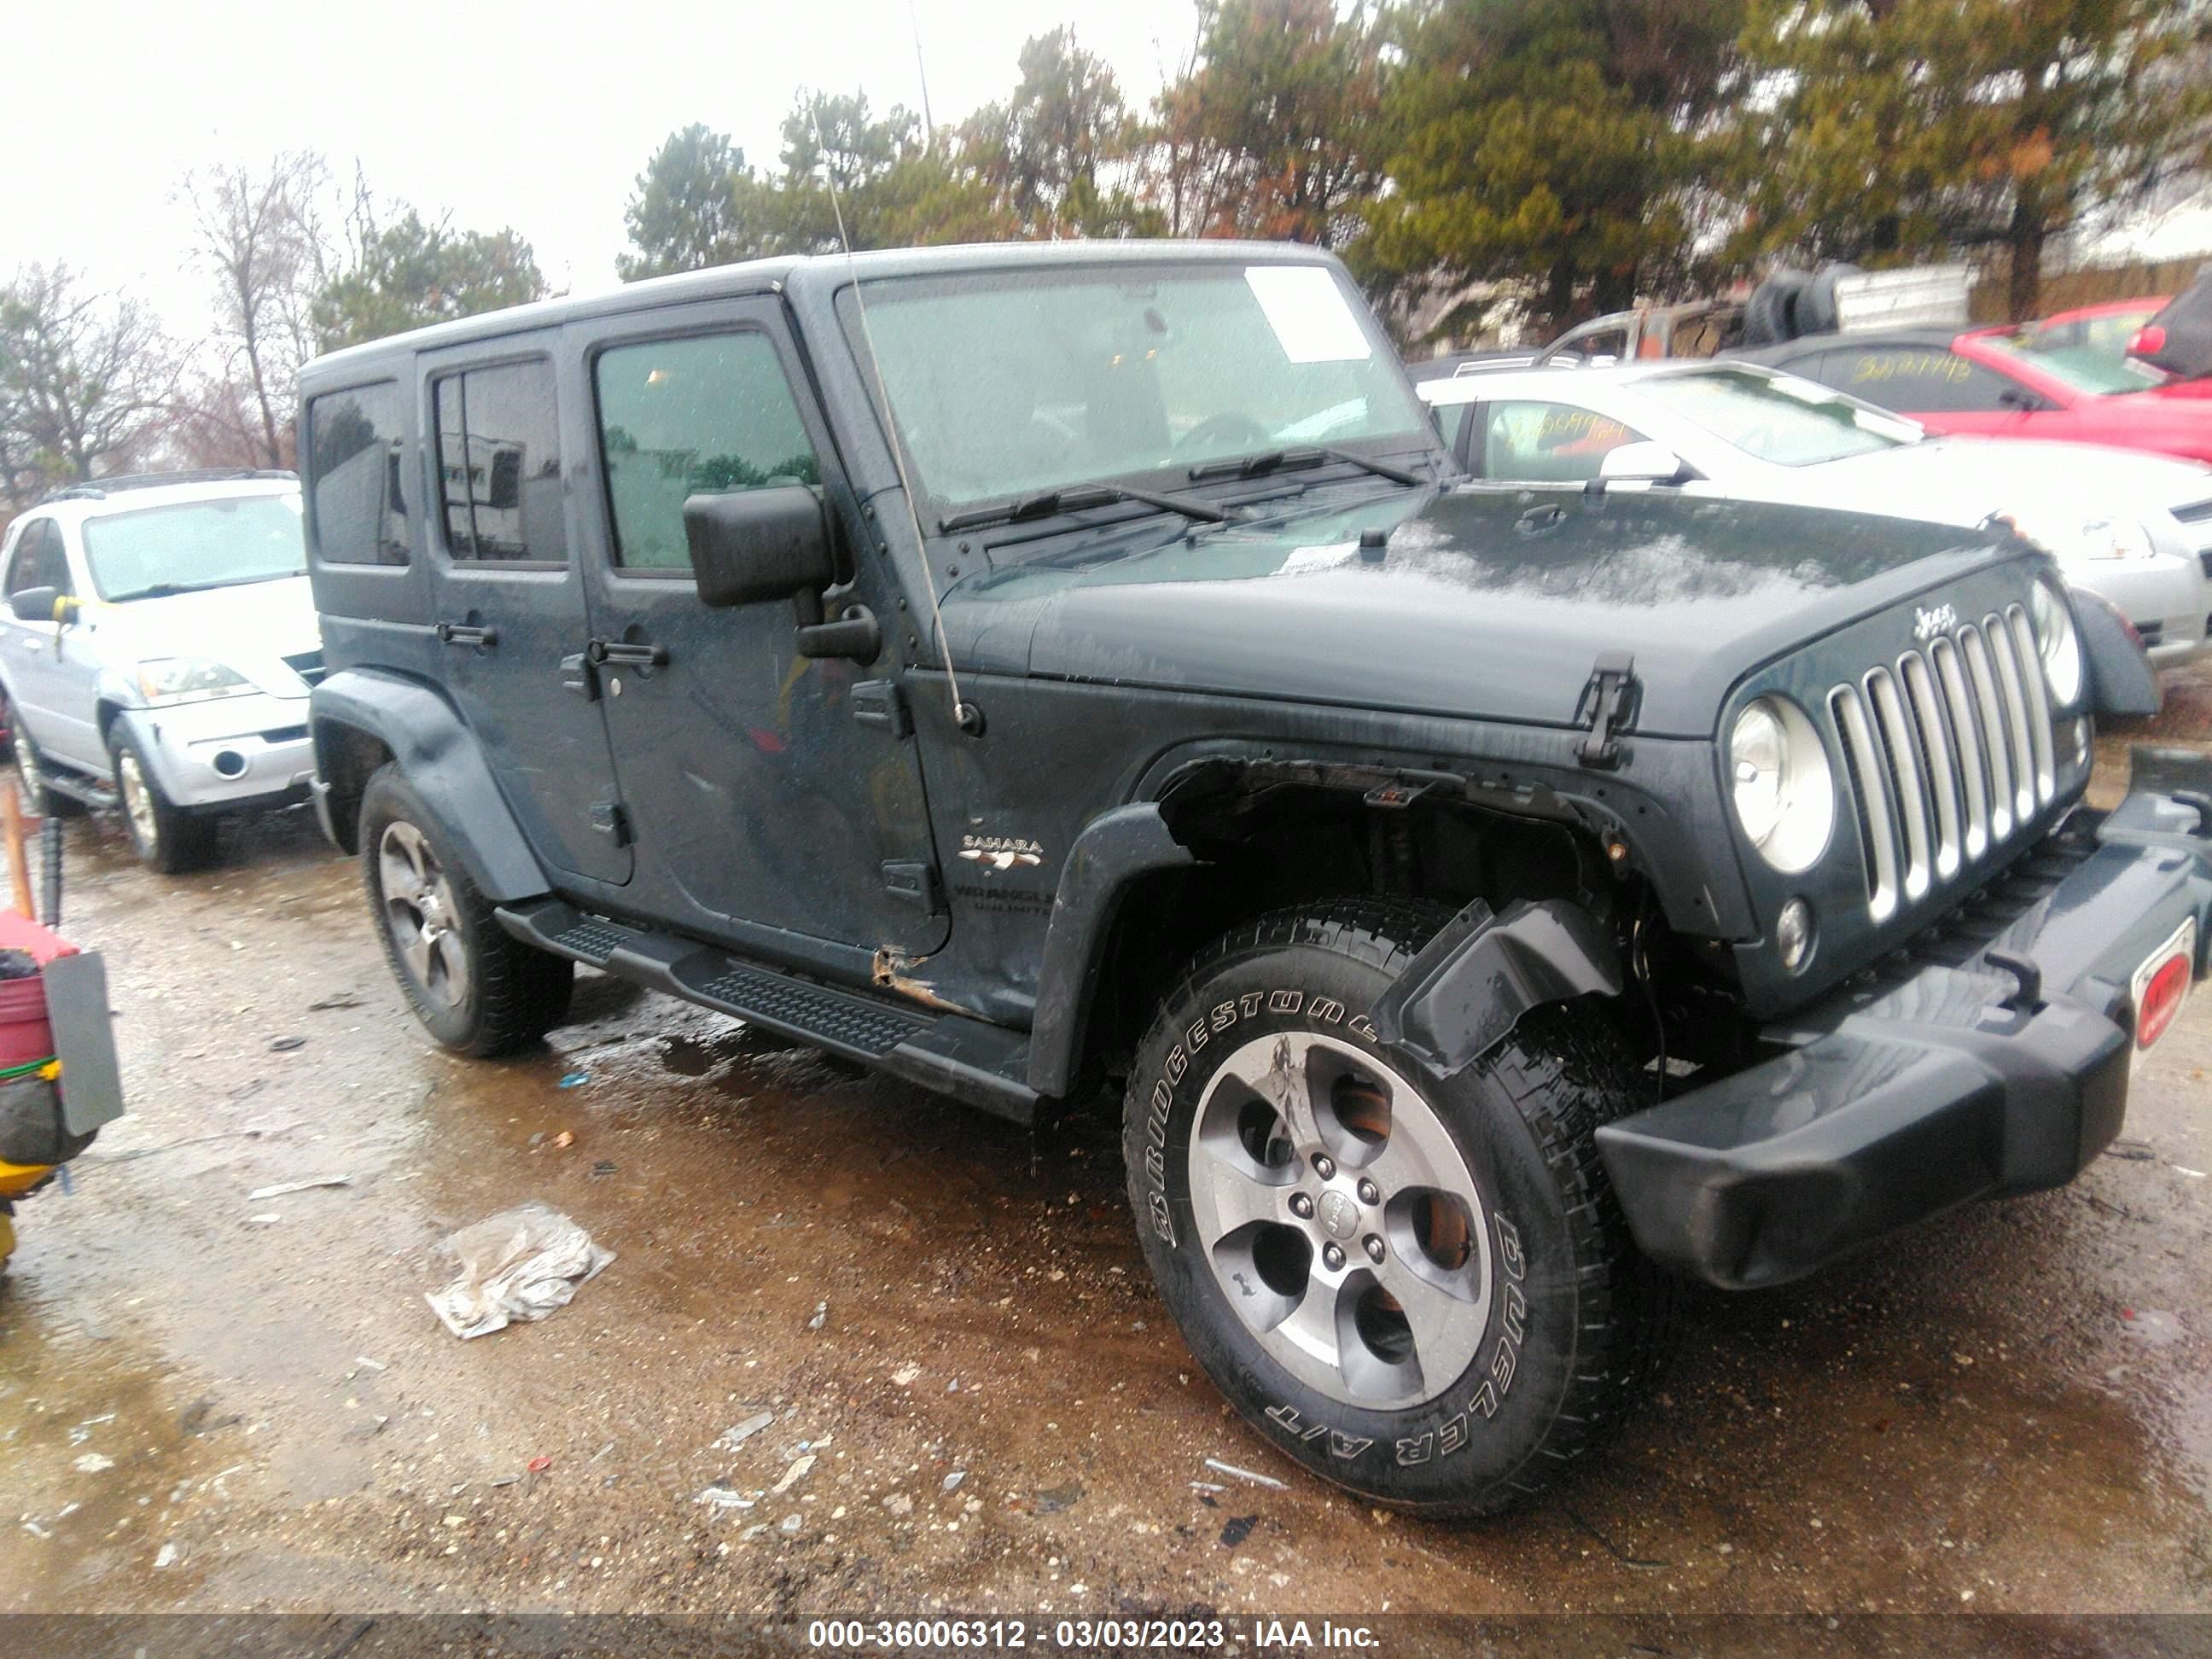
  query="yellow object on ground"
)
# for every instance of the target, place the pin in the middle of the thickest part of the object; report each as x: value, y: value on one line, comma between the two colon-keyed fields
x: 7, y: 1239
x: 21, y: 1177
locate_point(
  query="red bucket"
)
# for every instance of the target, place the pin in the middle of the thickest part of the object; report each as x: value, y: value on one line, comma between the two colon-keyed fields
x: 24, y: 1033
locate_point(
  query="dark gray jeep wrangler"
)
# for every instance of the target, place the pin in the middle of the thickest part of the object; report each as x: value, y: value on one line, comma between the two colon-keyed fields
x: 1026, y: 667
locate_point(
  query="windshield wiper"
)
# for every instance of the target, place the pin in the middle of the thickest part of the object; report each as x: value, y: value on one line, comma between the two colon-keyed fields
x: 170, y: 590
x: 1280, y: 460
x: 1069, y: 499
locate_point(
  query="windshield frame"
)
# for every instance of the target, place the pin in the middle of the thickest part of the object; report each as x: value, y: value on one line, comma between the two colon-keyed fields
x: 88, y: 527
x: 857, y: 302
x: 1907, y: 431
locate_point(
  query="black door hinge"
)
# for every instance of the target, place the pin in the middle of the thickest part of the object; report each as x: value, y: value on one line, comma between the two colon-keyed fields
x: 1610, y: 697
x: 881, y: 704
x: 611, y: 819
x: 915, y: 883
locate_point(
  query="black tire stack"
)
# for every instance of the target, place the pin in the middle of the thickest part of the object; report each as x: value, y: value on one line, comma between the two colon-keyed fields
x: 1791, y: 304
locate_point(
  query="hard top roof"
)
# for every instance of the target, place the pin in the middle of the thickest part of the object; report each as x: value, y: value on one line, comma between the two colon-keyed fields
x: 822, y: 272
x: 1931, y: 339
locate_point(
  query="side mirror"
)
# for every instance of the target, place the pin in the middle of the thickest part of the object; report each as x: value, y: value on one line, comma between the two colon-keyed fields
x: 1644, y: 462
x: 758, y: 544
x: 35, y: 604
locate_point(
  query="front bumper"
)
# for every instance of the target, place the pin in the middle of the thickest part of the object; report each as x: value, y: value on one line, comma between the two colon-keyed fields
x: 1953, y: 1081
x: 229, y: 751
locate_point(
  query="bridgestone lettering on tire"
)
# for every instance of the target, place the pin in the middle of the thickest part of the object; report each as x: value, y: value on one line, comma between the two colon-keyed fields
x: 1421, y: 1290
x: 476, y: 988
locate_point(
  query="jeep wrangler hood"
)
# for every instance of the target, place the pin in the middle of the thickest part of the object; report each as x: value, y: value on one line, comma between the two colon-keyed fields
x: 1486, y: 602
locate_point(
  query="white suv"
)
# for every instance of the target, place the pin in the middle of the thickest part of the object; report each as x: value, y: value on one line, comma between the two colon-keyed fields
x: 157, y: 643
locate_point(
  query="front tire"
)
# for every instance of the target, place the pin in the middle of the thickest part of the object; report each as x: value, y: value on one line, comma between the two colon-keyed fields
x: 479, y: 990
x: 1421, y: 1288
x: 166, y: 837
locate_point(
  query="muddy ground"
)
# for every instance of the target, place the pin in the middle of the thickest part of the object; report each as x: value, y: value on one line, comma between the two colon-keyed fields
x: 212, y: 1402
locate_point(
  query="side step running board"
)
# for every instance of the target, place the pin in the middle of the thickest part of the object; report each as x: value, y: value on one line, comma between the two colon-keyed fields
x: 980, y: 1063
x: 97, y: 796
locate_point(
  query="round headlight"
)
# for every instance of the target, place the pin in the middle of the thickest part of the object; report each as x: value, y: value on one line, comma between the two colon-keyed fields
x: 2061, y: 648
x: 1778, y: 776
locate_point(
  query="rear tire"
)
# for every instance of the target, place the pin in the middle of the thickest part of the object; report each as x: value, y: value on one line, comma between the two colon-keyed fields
x: 478, y: 990
x: 1485, y: 1317
x: 166, y: 837
x: 31, y: 775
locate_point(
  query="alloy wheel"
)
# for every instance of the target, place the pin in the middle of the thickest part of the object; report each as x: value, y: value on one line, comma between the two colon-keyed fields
x: 137, y: 801
x: 420, y: 914
x: 1342, y: 1220
x: 34, y: 781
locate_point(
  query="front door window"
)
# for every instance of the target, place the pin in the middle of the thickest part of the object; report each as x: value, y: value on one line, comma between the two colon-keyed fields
x: 1526, y: 440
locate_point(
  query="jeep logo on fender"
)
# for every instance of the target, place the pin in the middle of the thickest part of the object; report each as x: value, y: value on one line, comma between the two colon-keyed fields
x: 1926, y: 625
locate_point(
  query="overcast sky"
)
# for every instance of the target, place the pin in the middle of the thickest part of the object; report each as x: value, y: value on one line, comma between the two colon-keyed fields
x: 536, y: 116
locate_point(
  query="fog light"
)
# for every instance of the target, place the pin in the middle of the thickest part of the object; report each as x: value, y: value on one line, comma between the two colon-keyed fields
x: 1793, y: 933
x: 228, y: 763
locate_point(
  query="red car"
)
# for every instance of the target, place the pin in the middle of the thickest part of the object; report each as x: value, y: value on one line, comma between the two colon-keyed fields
x: 1991, y: 382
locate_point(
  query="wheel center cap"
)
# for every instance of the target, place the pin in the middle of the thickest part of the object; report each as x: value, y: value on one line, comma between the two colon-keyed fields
x: 1339, y: 1215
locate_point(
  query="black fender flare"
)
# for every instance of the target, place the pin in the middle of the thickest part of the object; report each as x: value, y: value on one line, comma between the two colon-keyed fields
x: 2121, y: 677
x: 1115, y: 851
x: 1469, y: 986
x: 443, y: 763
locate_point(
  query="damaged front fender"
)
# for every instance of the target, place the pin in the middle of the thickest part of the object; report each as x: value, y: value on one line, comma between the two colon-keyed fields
x: 1470, y: 984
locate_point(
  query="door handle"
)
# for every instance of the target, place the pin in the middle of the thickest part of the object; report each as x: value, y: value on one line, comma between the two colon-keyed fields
x: 465, y: 634
x: 636, y: 655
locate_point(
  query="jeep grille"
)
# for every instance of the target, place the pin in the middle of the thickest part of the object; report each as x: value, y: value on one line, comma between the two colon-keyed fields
x: 1950, y: 754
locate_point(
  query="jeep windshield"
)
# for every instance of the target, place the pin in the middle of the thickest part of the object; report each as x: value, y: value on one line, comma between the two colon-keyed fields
x: 1010, y: 386
x: 160, y: 550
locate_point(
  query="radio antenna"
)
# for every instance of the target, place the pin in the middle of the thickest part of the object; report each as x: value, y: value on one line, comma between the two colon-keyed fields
x: 965, y: 716
x: 921, y: 73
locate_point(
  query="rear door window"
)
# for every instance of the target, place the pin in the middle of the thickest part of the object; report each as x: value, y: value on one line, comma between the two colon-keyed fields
x: 499, y: 466
x: 1916, y: 379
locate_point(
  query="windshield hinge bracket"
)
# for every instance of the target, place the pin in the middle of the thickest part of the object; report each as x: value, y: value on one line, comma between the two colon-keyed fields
x: 881, y: 704
x: 916, y: 883
x: 1610, y: 697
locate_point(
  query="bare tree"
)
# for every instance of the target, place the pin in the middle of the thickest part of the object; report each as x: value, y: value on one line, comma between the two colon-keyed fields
x: 262, y: 238
x: 85, y: 382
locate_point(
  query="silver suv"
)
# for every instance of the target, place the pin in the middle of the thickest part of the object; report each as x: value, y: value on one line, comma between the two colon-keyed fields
x: 156, y: 648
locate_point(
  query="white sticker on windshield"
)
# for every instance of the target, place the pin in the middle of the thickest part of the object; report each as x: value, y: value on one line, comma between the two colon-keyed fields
x: 1307, y: 311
